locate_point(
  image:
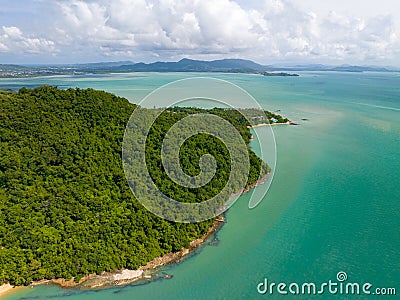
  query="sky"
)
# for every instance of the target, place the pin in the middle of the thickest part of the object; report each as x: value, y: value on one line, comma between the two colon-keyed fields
x: 266, y: 31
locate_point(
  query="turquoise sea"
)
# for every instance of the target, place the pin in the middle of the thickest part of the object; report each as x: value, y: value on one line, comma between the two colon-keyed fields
x: 333, y: 206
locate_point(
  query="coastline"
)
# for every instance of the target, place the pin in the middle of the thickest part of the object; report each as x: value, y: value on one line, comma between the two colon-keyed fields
x: 126, y: 276
x: 7, y: 288
x: 272, y: 124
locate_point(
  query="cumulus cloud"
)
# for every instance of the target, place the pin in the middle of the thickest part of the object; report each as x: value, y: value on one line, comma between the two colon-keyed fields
x: 264, y: 30
x: 12, y: 39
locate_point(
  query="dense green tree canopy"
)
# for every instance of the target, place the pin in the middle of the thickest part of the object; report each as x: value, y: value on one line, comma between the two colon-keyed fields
x: 65, y: 207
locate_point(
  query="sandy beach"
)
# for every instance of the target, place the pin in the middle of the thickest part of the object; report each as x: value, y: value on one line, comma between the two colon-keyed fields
x: 7, y: 288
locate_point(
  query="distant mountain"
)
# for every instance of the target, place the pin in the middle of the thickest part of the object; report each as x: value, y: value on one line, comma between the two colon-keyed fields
x: 346, y: 68
x: 184, y: 65
x: 190, y: 65
x: 105, y: 64
x: 341, y: 68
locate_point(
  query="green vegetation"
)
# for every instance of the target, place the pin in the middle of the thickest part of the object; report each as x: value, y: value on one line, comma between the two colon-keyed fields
x: 236, y: 117
x: 65, y: 207
x: 193, y: 149
x: 284, y: 74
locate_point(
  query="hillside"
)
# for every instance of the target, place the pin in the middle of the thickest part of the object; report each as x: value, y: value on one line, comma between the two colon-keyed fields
x: 65, y: 207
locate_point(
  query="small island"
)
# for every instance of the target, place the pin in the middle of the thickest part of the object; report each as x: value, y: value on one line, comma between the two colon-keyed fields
x: 283, y: 74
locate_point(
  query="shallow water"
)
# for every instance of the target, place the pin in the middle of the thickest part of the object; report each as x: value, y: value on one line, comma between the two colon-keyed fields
x: 333, y: 204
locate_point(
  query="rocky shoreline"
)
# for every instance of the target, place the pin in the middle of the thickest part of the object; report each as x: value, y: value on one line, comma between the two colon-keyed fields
x: 271, y: 124
x: 126, y: 276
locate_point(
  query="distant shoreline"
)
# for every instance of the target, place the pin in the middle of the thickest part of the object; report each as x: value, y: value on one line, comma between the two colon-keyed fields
x: 233, y: 66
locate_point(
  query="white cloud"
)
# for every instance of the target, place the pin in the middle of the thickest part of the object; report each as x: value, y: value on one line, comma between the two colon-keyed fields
x: 12, y: 39
x: 11, y: 32
x: 264, y: 30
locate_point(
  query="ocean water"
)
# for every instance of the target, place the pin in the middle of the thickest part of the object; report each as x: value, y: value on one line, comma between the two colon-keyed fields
x: 333, y: 206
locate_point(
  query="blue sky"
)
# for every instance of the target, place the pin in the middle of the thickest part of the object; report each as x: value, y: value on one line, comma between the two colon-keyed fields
x: 266, y: 31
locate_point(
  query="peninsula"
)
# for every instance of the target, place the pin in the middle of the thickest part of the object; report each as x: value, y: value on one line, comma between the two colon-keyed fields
x: 66, y: 210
